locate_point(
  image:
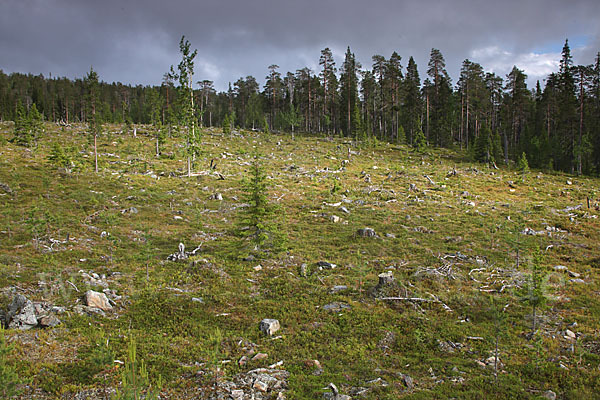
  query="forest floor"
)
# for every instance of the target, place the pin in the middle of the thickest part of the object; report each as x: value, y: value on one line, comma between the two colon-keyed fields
x: 461, y: 240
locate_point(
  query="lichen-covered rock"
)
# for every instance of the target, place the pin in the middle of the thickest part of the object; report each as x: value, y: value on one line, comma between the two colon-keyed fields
x: 96, y: 300
x: 269, y: 326
x: 21, y: 314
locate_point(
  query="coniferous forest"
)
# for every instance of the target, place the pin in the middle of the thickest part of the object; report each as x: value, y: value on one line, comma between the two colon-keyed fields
x: 496, y: 118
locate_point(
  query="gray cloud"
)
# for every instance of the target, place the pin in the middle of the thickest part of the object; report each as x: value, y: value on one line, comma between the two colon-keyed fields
x: 135, y: 41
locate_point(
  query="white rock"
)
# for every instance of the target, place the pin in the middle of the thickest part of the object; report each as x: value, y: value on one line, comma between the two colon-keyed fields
x: 269, y: 326
x: 96, y: 300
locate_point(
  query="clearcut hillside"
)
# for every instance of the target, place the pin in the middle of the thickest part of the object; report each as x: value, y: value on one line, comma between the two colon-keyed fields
x: 392, y: 273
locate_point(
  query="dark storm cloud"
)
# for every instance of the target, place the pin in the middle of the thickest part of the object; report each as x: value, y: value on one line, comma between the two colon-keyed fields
x: 136, y: 41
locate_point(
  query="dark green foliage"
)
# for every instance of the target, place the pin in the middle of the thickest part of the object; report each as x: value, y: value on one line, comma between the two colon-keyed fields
x: 93, y: 114
x: 292, y: 118
x: 483, y: 150
x: 258, y: 219
x: 135, y: 383
x: 60, y: 157
x: 523, y: 165
x: 28, y: 125
x: 419, y: 141
x: 534, y: 294
x: 556, y: 124
x: 227, y: 125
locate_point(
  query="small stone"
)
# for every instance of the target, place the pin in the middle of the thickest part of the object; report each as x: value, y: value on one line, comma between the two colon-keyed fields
x: 237, y: 394
x: 243, y: 361
x: 344, y: 210
x: 261, y: 386
x: 258, y: 268
x: 197, y: 299
x: 336, y: 307
x: 326, y: 265
x: 560, y: 268
x: 260, y: 356
x: 549, y: 394
x: 576, y: 280
x: 573, y: 274
x: 96, y: 300
x: 569, y: 333
x: 304, y: 270
x: 49, y: 321
x: 408, y: 381
x: 334, y: 218
x: 177, y: 218
x: 269, y: 326
x: 366, y: 232
x: 338, y: 288
x: 390, y: 235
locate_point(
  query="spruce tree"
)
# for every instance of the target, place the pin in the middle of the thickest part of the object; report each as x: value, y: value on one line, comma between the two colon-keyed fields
x: 258, y: 219
x: 227, y: 124
x: 412, y: 100
x: 22, y: 130
x: 523, y: 166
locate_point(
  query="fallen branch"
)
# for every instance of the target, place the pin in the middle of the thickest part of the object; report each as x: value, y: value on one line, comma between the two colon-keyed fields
x: 74, y: 287
x: 418, y: 300
x: 429, y: 179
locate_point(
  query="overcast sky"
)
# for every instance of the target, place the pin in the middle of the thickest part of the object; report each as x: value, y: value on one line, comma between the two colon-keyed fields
x: 136, y: 41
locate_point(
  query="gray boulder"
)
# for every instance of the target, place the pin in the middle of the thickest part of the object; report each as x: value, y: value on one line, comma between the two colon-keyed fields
x: 21, y: 314
x: 269, y: 326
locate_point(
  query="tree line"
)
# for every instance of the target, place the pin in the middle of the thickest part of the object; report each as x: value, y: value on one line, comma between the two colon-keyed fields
x: 495, y: 118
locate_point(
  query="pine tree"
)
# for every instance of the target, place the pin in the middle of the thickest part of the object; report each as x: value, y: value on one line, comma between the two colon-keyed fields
x: 438, y: 101
x: 329, y: 85
x: 187, y: 109
x: 93, y: 115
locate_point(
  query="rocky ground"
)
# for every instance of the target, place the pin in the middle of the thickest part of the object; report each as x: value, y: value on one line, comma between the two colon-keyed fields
x: 400, y: 274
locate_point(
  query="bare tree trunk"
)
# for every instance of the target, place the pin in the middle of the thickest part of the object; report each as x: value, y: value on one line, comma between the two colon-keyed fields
x: 95, y: 153
x: 579, y: 158
x: 427, y: 101
x: 496, y: 360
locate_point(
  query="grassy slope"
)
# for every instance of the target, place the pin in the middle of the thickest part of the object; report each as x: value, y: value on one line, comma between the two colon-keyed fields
x: 477, y: 213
